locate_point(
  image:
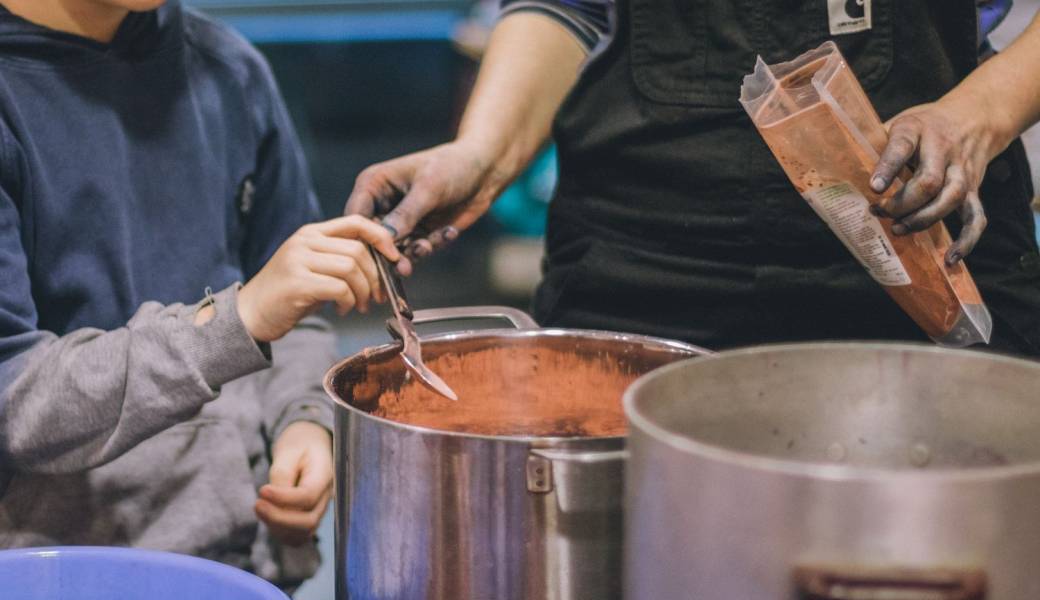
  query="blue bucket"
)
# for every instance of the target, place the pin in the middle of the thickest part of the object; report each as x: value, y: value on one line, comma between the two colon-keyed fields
x: 89, y: 573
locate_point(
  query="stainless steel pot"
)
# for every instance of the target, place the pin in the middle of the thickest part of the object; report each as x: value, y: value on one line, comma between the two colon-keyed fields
x: 512, y: 492
x: 835, y: 472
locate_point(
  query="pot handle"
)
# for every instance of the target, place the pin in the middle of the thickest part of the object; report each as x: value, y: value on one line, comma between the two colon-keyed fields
x: 827, y: 583
x: 517, y: 318
x: 587, y: 457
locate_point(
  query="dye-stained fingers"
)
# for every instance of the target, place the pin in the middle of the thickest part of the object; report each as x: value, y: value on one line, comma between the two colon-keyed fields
x: 903, y: 138
x: 933, y: 159
x: 397, y: 193
x: 379, y: 187
x: 949, y: 164
x: 424, y: 197
x: 428, y: 197
x: 425, y: 246
x: 951, y: 197
x: 973, y: 224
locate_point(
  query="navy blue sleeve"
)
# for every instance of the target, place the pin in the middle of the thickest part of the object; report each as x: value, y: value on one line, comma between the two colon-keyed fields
x: 283, y: 197
x: 17, y: 310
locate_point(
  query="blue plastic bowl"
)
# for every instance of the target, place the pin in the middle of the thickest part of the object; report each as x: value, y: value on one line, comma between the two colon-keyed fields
x: 89, y: 573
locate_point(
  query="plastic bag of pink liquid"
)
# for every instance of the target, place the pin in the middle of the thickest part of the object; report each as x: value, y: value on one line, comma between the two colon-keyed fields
x: 820, y: 125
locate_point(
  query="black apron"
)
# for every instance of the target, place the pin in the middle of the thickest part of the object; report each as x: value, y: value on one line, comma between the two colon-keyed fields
x: 672, y: 218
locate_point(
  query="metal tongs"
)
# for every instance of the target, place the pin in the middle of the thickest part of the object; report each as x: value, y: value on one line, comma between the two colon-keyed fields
x: 405, y: 330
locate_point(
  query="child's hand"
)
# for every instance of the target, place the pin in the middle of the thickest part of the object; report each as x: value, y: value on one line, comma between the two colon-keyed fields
x: 293, y: 503
x: 321, y: 262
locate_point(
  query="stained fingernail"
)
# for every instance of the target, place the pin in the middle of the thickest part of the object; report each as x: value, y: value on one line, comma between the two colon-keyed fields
x: 953, y: 257
x: 391, y: 229
x: 451, y: 233
x: 900, y: 229
x: 877, y: 183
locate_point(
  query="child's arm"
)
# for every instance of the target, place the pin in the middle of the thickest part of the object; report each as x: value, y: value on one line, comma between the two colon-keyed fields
x: 76, y: 401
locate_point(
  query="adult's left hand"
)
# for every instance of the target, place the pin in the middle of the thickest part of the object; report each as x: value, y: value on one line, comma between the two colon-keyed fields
x: 949, y: 147
x: 294, y: 501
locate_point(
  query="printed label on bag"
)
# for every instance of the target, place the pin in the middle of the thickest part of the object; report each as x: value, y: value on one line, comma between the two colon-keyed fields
x: 847, y: 213
x: 848, y: 16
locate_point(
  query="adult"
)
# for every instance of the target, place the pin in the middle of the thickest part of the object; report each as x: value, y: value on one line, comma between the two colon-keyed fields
x: 672, y: 217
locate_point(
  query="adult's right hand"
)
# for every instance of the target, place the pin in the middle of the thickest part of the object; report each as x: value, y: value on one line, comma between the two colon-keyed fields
x: 428, y: 197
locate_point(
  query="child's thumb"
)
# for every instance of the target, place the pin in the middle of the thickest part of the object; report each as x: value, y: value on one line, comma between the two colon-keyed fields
x: 285, y: 468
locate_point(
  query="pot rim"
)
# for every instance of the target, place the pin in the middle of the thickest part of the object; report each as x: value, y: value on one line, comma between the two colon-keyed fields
x: 536, y: 441
x: 818, y: 470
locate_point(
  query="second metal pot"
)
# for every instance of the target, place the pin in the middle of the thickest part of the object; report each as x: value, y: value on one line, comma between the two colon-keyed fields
x: 835, y: 472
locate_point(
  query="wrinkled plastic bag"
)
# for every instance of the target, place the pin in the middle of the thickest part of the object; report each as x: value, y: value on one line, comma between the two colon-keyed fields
x: 824, y: 131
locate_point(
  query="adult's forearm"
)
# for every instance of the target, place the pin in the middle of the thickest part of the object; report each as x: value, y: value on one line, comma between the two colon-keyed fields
x: 530, y: 66
x: 1005, y: 90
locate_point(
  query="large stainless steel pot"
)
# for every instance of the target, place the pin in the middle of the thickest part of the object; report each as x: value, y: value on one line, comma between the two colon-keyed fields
x: 514, y: 491
x: 835, y: 471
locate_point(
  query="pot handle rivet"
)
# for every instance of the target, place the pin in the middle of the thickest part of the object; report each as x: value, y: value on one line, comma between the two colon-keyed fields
x: 920, y: 455
x: 539, y: 474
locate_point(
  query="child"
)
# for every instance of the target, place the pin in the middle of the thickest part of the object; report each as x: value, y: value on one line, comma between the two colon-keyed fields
x: 146, y: 157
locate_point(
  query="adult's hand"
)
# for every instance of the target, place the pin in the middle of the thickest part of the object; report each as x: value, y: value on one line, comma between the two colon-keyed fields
x: 428, y: 197
x: 951, y: 142
x: 950, y: 151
